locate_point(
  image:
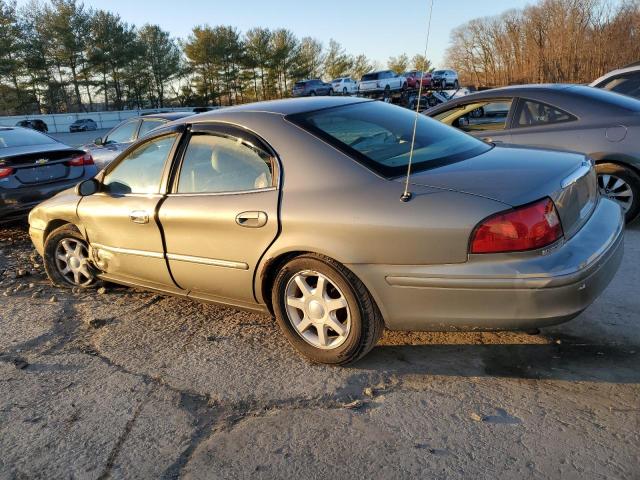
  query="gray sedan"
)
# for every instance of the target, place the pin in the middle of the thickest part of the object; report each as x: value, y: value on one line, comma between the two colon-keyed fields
x: 294, y: 207
x: 105, y: 149
x: 601, y: 124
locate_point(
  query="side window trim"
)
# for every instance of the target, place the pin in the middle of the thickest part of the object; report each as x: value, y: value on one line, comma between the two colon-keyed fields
x: 516, y: 106
x: 222, y: 129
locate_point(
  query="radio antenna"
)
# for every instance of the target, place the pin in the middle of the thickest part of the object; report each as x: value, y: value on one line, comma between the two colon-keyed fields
x: 406, y: 195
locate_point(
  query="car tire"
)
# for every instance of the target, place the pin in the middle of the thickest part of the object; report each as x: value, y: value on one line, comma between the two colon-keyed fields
x: 356, y: 313
x: 312, y: 94
x: 387, y: 93
x: 331, y: 92
x: 609, y: 177
x: 67, y: 241
x: 456, y: 85
x: 344, y: 91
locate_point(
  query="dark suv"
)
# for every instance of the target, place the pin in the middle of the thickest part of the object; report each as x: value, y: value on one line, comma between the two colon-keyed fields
x: 33, y: 124
x: 83, y: 125
x: 310, y: 88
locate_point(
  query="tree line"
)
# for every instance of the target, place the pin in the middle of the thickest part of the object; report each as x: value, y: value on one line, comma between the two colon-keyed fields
x: 572, y: 41
x: 61, y: 56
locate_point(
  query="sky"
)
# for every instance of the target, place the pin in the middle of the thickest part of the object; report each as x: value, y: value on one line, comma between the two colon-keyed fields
x: 377, y: 28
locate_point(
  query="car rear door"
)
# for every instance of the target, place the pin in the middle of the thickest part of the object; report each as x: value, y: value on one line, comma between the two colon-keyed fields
x: 120, y: 220
x: 221, y: 214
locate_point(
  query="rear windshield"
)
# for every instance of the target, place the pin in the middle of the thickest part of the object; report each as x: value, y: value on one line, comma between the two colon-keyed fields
x: 438, y: 72
x: 300, y: 84
x: 370, y: 76
x: 378, y: 135
x: 18, y: 137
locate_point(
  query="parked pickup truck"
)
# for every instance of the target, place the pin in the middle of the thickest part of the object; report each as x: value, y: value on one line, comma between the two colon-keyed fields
x: 384, y: 81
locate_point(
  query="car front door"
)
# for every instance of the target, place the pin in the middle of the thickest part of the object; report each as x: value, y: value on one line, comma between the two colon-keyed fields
x: 221, y: 214
x: 488, y: 120
x: 120, y: 220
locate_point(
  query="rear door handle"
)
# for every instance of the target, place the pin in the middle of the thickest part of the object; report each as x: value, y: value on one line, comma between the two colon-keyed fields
x: 252, y: 219
x: 139, y: 216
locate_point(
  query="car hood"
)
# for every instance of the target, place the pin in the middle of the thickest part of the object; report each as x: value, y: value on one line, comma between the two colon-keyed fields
x: 511, y: 175
x: 29, y: 149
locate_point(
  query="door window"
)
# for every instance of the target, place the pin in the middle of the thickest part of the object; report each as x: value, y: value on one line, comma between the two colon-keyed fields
x: 478, y: 116
x: 148, y: 125
x: 215, y: 164
x: 530, y: 114
x: 141, y: 170
x: 124, y: 133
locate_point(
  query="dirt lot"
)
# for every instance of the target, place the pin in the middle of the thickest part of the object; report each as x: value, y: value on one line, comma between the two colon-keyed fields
x: 128, y: 384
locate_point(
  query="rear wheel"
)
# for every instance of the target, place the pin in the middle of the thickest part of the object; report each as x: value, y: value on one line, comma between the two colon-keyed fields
x: 622, y: 185
x: 456, y: 85
x: 312, y: 94
x: 331, y: 92
x: 325, y: 311
x: 66, y: 258
x: 344, y: 91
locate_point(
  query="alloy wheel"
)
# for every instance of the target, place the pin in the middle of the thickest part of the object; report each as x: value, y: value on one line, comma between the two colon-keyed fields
x: 72, y: 262
x: 317, y: 310
x: 616, y: 189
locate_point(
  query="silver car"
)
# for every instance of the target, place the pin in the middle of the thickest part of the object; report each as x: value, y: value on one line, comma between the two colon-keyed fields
x: 601, y: 124
x: 105, y: 149
x: 293, y: 207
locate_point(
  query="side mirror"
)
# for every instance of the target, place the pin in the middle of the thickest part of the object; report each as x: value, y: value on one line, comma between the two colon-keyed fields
x: 88, y: 187
x: 98, y: 141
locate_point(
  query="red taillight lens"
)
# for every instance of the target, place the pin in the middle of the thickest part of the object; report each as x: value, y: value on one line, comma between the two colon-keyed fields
x: 525, y: 228
x: 6, y: 171
x: 80, y: 160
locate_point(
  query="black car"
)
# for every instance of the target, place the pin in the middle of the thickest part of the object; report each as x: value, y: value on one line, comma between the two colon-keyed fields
x: 34, y: 124
x: 311, y: 88
x: 34, y: 167
x: 83, y: 125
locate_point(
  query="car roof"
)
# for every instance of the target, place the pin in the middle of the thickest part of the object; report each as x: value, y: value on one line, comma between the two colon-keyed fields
x: 167, y: 116
x: 287, y: 106
x: 634, y: 67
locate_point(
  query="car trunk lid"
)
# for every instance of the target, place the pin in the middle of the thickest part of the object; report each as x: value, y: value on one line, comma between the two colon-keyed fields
x: 43, y: 166
x: 517, y: 176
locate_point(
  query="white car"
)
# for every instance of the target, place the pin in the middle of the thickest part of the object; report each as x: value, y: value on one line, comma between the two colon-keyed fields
x: 383, y: 82
x: 344, y: 85
x: 624, y: 80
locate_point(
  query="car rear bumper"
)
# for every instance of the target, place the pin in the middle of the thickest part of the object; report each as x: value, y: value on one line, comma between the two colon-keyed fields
x: 16, y: 202
x: 503, y: 292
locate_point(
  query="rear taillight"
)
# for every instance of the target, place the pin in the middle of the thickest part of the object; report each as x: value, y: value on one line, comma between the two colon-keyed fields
x: 6, y: 171
x: 80, y: 160
x: 525, y: 228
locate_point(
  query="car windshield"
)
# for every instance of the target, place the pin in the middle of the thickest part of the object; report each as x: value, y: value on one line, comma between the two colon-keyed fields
x: 17, y: 137
x: 438, y: 72
x: 379, y: 136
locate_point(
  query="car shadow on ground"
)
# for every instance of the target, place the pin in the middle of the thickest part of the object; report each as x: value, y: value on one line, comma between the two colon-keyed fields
x: 563, y: 358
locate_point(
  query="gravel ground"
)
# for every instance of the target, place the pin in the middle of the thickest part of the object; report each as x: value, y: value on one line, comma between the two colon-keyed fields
x: 127, y: 384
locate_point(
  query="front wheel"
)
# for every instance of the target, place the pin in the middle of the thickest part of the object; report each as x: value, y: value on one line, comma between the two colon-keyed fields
x: 622, y: 185
x: 66, y: 258
x: 312, y: 94
x: 325, y: 311
x: 344, y: 91
x: 456, y: 85
x: 331, y: 92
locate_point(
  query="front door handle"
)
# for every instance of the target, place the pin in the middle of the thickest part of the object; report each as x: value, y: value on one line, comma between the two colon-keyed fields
x: 252, y: 219
x: 139, y: 216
